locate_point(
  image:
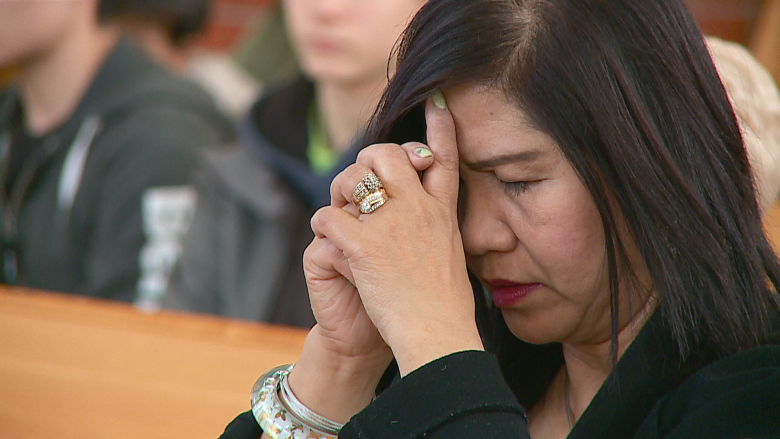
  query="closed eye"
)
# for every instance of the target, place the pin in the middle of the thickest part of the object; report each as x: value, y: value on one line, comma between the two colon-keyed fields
x: 515, y: 188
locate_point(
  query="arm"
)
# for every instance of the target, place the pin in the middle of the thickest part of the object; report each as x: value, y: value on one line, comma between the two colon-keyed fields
x: 457, y: 396
x: 439, y: 400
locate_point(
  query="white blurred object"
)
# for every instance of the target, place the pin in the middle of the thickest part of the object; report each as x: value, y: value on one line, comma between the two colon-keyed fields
x: 756, y: 101
x: 232, y: 89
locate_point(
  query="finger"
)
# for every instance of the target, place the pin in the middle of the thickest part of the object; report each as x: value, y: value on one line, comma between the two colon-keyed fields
x: 343, y: 185
x: 419, y: 154
x: 342, y: 229
x: 323, y: 261
x: 390, y: 162
x: 441, y: 179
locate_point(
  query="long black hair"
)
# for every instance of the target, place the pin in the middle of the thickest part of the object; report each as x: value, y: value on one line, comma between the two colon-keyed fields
x: 630, y: 94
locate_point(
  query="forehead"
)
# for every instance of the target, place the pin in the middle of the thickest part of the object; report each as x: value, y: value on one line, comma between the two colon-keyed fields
x: 488, y: 125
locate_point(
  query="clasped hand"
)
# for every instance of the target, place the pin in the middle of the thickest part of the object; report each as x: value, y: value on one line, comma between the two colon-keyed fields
x: 395, y: 277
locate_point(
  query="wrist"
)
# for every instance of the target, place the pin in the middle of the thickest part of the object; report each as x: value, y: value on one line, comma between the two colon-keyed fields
x: 333, y: 384
x: 427, y: 344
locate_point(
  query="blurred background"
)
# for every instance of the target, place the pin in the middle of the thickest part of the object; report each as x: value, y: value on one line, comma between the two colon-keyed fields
x: 233, y: 27
x: 752, y: 23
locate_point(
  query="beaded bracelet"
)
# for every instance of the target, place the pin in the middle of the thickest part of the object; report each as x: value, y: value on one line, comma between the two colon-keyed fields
x: 278, y: 420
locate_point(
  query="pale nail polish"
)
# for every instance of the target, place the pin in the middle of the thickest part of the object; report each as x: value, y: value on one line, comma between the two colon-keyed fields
x: 439, y: 101
x: 423, y: 152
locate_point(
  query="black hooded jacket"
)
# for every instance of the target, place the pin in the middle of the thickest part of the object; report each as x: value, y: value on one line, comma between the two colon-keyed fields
x: 92, y: 207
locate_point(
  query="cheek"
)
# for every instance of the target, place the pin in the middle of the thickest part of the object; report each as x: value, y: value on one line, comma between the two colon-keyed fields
x: 575, y: 245
x: 371, y: 43
x: 567, y: 239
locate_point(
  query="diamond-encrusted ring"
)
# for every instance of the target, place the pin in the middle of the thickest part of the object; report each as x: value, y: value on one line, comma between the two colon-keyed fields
x: 372, y: 182
x: 360, y: 192
x: 369, y: 195
x: 373, y: 201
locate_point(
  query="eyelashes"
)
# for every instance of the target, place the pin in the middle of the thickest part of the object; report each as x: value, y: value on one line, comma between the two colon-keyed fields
x: 515, y: 188
x: 511, y: 188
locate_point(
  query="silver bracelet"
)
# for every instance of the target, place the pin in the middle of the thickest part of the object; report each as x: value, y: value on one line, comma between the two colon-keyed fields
x: 303, y: 413
x: 278, y: 419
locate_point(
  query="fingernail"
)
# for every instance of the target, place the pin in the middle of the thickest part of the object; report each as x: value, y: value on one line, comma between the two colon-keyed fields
x: 423, y: 152
x: 438, y: 99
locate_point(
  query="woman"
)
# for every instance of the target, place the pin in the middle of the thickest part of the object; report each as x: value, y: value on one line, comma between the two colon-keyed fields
x: 606, y: 214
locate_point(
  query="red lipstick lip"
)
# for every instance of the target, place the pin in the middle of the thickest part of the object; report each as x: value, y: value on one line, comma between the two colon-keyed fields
x: 506, y: 293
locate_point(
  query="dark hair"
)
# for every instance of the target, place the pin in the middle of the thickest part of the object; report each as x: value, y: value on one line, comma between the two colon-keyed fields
x: 180, y: 18
x: 630, y: 94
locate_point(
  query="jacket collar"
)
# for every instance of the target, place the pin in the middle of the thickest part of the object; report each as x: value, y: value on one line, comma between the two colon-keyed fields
x: 276, y: 132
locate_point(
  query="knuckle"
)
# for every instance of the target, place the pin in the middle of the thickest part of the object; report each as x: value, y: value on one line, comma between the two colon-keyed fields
x: 424, y: 219
x: 352, y: 172
x: 320, y: 220
x: 378, y: 151
x: 366, y: 153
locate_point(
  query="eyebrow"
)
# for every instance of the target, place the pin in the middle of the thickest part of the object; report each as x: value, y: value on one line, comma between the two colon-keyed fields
x: 524, y: 156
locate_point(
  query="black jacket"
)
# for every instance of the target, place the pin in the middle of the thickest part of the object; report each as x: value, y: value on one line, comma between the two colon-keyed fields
x: 91, y: 205
x: 465, y: 396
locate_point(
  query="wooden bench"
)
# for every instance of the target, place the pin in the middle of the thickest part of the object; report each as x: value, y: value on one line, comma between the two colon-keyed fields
x: 78, y: 368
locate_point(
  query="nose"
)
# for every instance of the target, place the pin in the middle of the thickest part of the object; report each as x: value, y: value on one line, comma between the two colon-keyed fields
x: 483, y: 227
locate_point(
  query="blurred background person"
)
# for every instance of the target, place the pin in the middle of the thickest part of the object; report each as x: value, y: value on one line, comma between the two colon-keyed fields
x: 267, y: 53
x: 98, y: 143
x: 169, y: 31
x: 242, y: 257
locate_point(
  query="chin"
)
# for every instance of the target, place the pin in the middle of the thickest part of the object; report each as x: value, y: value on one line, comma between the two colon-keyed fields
x: 334, y: 73
x: 534, y: 332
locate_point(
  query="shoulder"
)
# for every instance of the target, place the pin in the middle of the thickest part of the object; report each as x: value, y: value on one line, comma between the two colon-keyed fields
x: 234, y: 175
x: 737, y: 396
x: 132, y: 90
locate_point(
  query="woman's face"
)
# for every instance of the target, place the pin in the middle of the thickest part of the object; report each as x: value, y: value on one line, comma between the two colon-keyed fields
x: 531, y: 231
x: 346, y: 41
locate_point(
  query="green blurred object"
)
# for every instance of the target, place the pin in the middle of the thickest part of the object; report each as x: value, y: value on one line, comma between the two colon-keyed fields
x: 267, y: 54
x: 322, y: 158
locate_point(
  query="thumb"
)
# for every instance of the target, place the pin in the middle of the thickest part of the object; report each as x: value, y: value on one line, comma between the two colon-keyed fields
x: 441, y: 179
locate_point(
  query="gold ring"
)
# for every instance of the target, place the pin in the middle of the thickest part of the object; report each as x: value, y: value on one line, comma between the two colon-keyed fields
x: 360, y: 192
x: 369, y: 185
x: 373, y: 201
x: 372, y: 182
